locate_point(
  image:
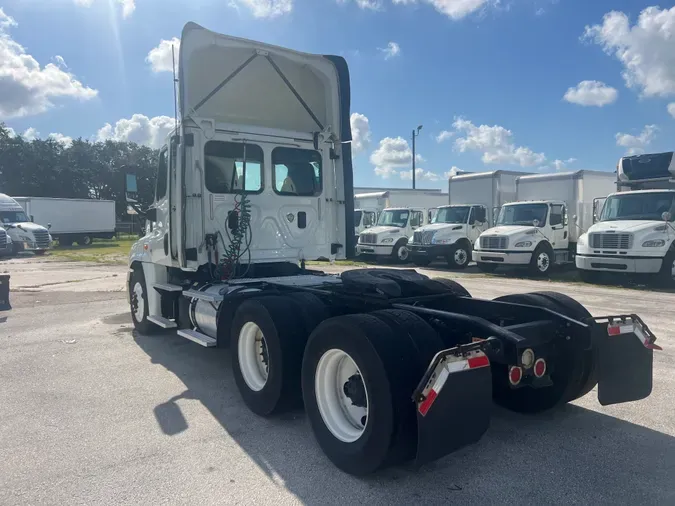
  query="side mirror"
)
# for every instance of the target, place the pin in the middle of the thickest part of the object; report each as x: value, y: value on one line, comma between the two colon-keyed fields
x: 535, y: 222
x: 32, y: 219
x: 666, y: 216
x: 574, y: 218
x: 151, y: 214
x: 49, y: 226
x: 130, y: 187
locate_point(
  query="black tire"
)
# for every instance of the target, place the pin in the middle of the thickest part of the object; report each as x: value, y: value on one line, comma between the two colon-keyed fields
x: 486, y: 267
x: 65, y: 241
x: 453, y: 287
x: 421, y: 261
x: 41, y: 252
x: 566, y: 372
x: 310, y: 308
x: 542, y: 260
x: 85, y: 240
x: 400, y: 253
x: 589, y: 358
x: 459, y: 256
x: 285, y: 338
x: 142, y: 324
x: 666, y: 277
x: 386, y: 362
x: 592, y: 277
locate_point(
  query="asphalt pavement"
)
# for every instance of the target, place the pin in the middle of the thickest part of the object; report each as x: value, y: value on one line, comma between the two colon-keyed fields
x: 93, y: 413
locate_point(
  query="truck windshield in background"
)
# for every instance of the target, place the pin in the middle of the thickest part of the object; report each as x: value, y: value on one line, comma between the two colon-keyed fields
x: 639, y: 206
x: 396, y: 218
x: 452, y: 215
x: 523, y: 214
x: 13, y: 217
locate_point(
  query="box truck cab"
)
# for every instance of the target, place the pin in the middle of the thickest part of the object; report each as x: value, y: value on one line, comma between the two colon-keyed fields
x: 363, y: 219
x: 391, y: 234
x: 451, y: 234
x: 635, y: 230
x: 540, y: 233
x: 25, y: 235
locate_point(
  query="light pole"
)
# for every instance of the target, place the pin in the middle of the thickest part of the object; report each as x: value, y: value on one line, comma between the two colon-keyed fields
x: 415, y: 134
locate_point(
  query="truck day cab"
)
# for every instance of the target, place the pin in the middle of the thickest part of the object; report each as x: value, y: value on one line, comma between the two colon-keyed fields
x: 474, y: 199
x: 24, y: 234
x: 635, y: 233
x: 389, y: 364
x: 541, y: 229
x: 389, y: 238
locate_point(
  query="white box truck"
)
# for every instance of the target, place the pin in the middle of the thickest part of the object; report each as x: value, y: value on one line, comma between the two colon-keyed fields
x: 72, y: 220
x: 541, y: 228
x: 475, y: 198
x: 635, y: 233
x: 22, y: 233
x: 390, y: 236
x: 385, y: 361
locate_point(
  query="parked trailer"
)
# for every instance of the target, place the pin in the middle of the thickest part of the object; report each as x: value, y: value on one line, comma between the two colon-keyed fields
x: 474, y: 200
x: 389, y: 364
x: 636, y: 229
x: 72, y: 220
x: 541, y: 229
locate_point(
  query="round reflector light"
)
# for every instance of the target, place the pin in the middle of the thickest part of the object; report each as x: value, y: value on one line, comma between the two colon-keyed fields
x: 540, y: 367
x: 515, y: 375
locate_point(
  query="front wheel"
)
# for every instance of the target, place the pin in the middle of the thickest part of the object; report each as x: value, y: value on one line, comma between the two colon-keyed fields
x: 85, y: 240
x: 138, y: 295
x: 666, y: 276
x: 459, y: 256
x: 401, y: 253
x: 542, y: 260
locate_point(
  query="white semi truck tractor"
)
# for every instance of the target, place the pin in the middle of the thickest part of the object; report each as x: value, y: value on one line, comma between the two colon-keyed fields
x: 21, y: 231
x: 635, y: 229
x: 475, y: 199
x: 542, y: 227
x: 389, y: 364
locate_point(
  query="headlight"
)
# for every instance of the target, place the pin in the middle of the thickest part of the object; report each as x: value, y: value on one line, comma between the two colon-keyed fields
x: 582, y: 240
x: 442, y: 240
x: 9, y: 240
x: 523, y: 244
x: 657, y: 243
x: 387, y: 241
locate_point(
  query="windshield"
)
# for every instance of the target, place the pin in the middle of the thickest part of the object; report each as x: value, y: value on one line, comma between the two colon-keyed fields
x: 523, y: 214
x: 452, y: 215
x: 13, y: 217
x: 397, y: 218
x: 357, y: 218
x: 638, y: 206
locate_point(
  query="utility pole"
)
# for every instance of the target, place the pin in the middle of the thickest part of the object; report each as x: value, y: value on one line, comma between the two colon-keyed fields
x: 415, y: 134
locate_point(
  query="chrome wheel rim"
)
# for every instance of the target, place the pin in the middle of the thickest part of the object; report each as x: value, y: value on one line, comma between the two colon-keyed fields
x: 253, y: 356
x: 461, y: 256
x: 543, y: 262
x: 403, y: 253
x: 138, y: 302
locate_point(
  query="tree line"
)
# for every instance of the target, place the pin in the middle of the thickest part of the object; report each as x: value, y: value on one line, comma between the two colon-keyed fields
x: 83, y: 169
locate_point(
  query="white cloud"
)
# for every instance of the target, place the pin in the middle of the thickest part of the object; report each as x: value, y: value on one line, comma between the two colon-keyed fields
x: 420, y: 175
x: 646, y: 50
x: 360, y: 132
x: 161, y: 58
x: 595, y: 93
x: 266, y: 8
x: 444, y: 136
x: 392, y: 50
x: 11, y: 132
x: 139, y: 129
x: 62, y: 139
x: 496, y: 144
x: 452, y: 172
x: 25, y: 87
x: 128, y: 6
x: 557, y: 165
x: 671, y: 109
x: 391, y: 155
x: 373, y: 5
x: 31, y: 134
x: 636, y: 144
x: 454, y: 9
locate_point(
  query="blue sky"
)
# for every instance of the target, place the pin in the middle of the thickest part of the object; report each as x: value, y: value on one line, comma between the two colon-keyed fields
x: 491, y: 74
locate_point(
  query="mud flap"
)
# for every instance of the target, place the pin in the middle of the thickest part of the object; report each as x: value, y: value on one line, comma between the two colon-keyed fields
x: 626, y: 360
x: 455, y: 411
x: 4, y: 293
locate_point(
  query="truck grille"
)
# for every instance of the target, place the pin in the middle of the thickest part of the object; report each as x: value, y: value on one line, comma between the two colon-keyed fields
x: 368, y: 238
x: 3, y: 239
x: 494, y: 242
x: 41, y: 238
x: 611, y: 241
x: 423, y: 237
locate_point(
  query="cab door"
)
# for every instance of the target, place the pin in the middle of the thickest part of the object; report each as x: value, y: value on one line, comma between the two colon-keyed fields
x: 478, y: 223
x: 558, y: 223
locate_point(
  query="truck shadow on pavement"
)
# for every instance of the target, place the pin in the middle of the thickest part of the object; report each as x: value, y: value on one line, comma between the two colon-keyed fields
x: 570, y: 455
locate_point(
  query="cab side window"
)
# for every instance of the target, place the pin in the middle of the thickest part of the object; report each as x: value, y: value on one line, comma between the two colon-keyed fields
x: 296, y: 172
x: 162, y: 175
x: 368, y: 219
x: 556, y: 215
x: 416, y: 219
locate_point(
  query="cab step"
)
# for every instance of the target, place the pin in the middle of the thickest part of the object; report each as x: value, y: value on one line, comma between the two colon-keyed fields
x: 198, y: 337
x: 160, y: 321
x: 167, y: 287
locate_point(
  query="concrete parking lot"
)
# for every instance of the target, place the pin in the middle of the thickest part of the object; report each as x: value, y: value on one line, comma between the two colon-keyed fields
x: 92, y: 413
